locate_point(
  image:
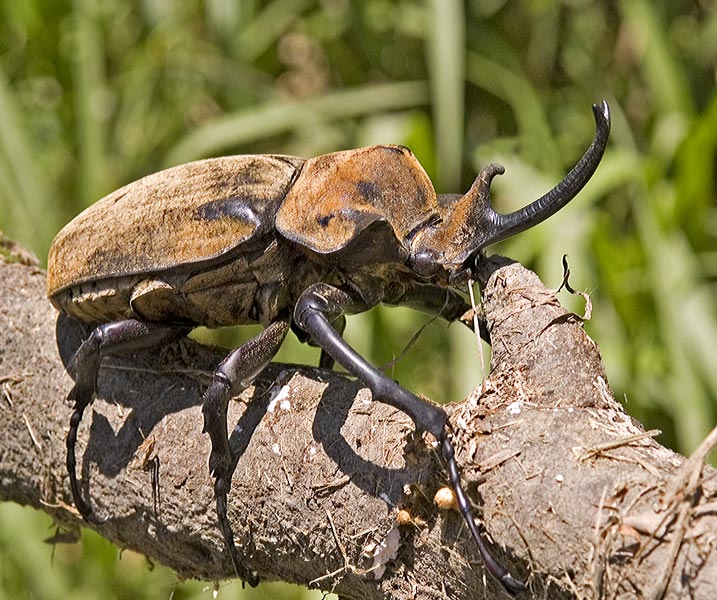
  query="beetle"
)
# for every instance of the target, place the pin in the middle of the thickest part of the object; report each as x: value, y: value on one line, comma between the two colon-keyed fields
x: 290, y: 244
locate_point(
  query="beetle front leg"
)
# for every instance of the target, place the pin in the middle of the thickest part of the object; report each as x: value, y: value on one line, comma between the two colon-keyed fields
x: 235, y: 373
x: 105, y: 340
x: 316, y: 308
x: 442, y: 302
x: 325, y: 360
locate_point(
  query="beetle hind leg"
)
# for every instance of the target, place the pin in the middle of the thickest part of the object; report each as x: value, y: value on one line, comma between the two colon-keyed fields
x: 317, y: 307
x: 105, y: 340
x: 235, y: 373
x: 81, y: 399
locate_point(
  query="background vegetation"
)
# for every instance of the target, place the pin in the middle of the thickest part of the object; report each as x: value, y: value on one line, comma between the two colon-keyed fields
x: 97, y: 93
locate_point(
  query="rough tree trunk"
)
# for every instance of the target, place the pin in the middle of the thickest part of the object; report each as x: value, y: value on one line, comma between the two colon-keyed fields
x: 577, y: 498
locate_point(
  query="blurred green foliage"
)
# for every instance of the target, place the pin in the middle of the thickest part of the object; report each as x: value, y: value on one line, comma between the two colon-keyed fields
x: 97, y: 93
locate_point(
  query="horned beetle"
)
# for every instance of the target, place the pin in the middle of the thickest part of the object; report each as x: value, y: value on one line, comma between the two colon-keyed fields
x: 287, y: 243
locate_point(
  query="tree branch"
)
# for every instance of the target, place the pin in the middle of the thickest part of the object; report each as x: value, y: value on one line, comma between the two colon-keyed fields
x: 579, y: 498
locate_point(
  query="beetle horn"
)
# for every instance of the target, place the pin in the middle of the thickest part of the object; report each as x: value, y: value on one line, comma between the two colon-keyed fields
x: 499, y: 226
x: 468, y: 223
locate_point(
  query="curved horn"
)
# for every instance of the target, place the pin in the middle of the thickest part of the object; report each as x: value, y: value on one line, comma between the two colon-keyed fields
x: 503, y: 226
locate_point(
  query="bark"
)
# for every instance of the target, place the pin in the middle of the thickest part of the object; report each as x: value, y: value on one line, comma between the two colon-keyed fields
x: 576, y: 497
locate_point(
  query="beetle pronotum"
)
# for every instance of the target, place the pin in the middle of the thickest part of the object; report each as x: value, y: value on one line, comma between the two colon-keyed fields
x: 287, y: 243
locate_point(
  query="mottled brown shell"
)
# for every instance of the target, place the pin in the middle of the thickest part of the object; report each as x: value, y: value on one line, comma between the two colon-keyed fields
x: 187, y: 214
x: 337, y: 196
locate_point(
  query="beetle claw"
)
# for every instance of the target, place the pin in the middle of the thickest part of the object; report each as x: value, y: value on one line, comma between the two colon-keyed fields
x: 512, y: 585
x: 81, y: 402
x: 93, y: 519
x: 242, y: 571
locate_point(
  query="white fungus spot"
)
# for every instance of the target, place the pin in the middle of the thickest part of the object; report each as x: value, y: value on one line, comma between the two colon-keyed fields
x: 514, y: 408
x: 277, y: 396
x: 275, y: 449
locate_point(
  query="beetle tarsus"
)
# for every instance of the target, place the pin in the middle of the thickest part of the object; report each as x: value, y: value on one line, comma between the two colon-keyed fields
x: 83, y: 507
x: 84, y: 365
x: 240, y: 569
x: 496, y: 569
x: 221, y: 467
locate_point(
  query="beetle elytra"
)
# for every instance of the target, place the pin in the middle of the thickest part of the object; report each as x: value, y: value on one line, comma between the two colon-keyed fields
x: 287, y: 243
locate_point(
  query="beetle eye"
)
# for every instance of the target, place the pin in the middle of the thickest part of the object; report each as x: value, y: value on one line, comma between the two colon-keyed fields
x: 424, y: 264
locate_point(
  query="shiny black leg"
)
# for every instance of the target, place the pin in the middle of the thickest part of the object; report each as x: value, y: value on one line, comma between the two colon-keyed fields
x: 321, y: 304
x: 108, y: 339
x: 236, y: 372
x: 326, y: 362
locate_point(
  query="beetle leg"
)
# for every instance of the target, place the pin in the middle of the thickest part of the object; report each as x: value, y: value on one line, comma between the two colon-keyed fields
x: 316, y: 308
x: 326, y: 361
x: 442, y: 302
x: 105, y: 340
x: 235, y: 373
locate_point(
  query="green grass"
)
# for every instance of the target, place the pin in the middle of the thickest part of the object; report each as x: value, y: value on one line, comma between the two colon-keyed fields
x: 94, y: 94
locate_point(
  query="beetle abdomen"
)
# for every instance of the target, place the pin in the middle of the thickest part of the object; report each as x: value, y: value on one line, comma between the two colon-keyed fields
x: 193, y: 213
x: 251, y: 287
x: 97, y: 301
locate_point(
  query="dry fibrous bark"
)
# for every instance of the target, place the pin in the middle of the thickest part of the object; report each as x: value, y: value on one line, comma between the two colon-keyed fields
x: 575, y: 495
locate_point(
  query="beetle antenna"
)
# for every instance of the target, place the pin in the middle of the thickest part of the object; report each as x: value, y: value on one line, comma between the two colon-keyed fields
x: 503, y: 226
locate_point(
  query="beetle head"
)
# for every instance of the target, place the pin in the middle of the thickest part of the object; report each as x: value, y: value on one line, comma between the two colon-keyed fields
x: 450, y: 247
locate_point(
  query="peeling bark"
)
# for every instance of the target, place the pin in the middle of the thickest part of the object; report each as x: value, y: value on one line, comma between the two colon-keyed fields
x: 576, y: 496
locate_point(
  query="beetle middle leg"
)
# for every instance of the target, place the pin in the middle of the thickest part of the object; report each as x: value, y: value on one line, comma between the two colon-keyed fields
x: 235, y: 373
x: 105, y: 340
x: 316, y: 308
